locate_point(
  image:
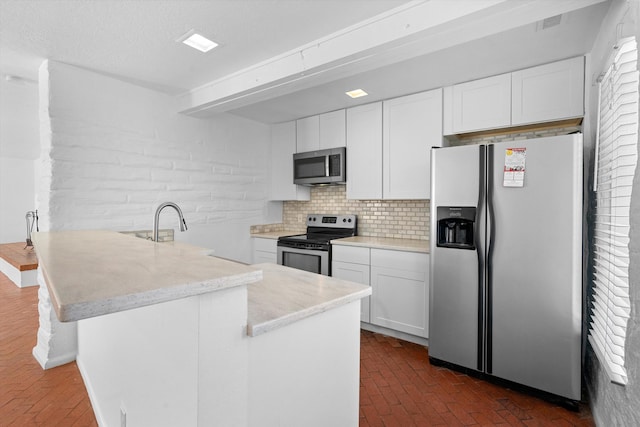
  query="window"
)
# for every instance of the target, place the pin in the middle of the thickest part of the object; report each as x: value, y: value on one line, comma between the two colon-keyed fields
x: 616, y: 158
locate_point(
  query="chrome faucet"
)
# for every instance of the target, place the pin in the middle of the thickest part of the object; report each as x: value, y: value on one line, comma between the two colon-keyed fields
x: 183, y: 224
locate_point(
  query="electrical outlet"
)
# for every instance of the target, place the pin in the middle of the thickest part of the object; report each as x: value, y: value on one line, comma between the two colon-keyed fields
x: 123, y: 417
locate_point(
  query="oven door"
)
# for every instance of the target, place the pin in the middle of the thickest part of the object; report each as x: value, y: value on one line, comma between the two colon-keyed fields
x: 315, y: 261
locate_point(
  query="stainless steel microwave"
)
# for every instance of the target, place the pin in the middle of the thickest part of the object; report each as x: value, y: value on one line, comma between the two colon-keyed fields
x: 322, y: 167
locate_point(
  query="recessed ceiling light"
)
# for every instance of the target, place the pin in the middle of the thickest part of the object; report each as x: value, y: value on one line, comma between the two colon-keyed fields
x: 199, y: 42
x: 356, y: 93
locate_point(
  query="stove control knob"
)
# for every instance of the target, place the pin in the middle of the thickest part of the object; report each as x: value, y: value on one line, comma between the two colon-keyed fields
x: 344, y: 219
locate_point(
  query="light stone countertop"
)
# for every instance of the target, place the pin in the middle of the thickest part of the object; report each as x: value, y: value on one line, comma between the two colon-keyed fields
x: 286, y: 295
x: 187, y: 248
x: 92, y: 273
x: 410, y: 245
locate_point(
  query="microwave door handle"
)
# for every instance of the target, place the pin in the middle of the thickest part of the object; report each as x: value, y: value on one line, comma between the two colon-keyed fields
x: 326, y: 165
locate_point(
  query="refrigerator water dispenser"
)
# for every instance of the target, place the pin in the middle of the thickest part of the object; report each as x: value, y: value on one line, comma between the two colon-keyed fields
x: 456, y: 227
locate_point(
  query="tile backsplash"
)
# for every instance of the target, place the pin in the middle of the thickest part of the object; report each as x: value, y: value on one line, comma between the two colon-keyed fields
x: 406, y: 219
x: 267, y: 228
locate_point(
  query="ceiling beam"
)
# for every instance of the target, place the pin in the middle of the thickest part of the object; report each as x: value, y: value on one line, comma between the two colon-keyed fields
x: 414, y: 29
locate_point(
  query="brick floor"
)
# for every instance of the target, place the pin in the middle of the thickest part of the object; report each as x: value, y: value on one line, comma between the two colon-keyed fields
x: 30, y: 396
x: 398, y: 385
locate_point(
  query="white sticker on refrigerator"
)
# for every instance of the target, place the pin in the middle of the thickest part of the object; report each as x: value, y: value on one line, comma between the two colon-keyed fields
x: 514, y: 159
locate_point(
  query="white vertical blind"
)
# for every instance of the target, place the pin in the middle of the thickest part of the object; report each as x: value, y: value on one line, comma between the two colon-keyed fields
x: 616, y: 158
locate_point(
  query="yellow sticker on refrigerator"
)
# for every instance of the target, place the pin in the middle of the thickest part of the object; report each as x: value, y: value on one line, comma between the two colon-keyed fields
x: 514, y: 160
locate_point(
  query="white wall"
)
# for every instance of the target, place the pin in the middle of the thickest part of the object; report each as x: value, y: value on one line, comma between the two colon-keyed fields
x: 611, y: 404
x: 113, y: 151
x: 16, y: 197
x: 19, y: 147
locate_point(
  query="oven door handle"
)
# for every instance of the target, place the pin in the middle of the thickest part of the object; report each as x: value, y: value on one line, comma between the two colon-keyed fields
x: 284, y: 248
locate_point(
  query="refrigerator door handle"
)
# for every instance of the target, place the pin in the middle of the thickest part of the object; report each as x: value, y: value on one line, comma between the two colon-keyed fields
x: 489, y: 270
x: 480, y: 243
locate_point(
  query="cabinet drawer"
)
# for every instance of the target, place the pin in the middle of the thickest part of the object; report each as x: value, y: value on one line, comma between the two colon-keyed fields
x: 400, y: 260
x: 353, y: 254
x: 265, y: 245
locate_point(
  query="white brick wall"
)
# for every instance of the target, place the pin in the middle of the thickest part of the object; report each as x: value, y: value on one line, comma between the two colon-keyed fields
x: 113, y: 151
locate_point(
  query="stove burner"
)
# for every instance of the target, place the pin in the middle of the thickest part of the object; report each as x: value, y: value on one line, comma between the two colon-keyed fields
x: 321, y: 229
x: 312, y: 251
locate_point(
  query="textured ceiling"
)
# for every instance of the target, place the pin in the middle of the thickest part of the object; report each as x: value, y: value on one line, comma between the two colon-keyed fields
x: 135, y: 40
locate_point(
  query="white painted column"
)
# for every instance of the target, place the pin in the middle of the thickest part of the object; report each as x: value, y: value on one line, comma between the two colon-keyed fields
x: 57, y: 342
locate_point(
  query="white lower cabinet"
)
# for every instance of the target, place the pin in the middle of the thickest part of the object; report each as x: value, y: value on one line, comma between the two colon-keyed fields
x: 265, y: 250
x: 399, y: 281
x: 352, y: 263
x: 400, y: 291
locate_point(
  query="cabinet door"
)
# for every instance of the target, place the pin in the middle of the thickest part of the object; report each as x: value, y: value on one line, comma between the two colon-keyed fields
x: 308, y: 134
x: 411, y: 125
x: 400, y: 291
x: 333, y: 129
x: 364, y: 152
x: 358, y: 273
x: 481, y: 104
x: 283, y: 145
x: 549, y: 92
x: 352, y: 263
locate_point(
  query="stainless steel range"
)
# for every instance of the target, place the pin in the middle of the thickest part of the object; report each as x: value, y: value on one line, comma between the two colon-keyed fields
x: 312, y: 251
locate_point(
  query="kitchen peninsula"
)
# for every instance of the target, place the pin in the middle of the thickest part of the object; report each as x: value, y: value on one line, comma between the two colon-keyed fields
x: 167, y: 335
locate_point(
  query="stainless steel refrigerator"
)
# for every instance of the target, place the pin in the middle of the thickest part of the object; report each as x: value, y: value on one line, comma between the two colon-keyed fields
x: 506, y: 261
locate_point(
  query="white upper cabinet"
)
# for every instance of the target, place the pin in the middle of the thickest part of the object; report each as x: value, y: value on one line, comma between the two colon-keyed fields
x: 308, y: 134
x: 540, y: 94
x: 326, y: 130
x: 549, y: 92
x: 411, y: 126
x: 283, y: 145
x: 364, y: 152
x: 478, y: 105
x: 333, y: 129
x: 389, y: 147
